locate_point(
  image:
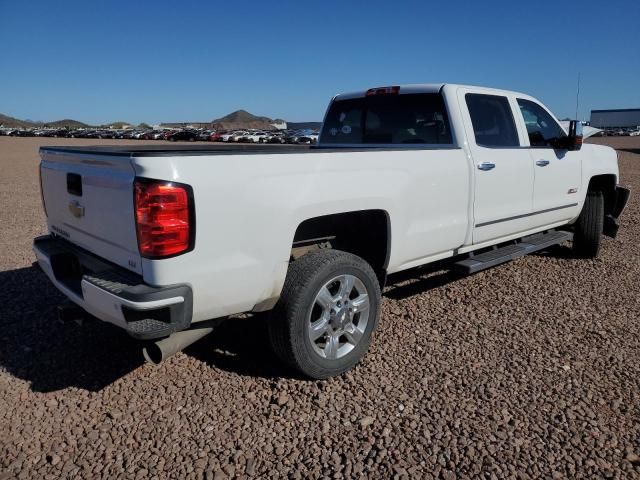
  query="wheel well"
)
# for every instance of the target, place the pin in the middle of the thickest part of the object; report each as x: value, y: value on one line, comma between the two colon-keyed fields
x: 607, y: 185
x: 365, y: 233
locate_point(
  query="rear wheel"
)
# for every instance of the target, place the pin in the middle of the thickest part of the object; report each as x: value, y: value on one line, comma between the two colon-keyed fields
x: 588, y: 228
x: 327, y: 311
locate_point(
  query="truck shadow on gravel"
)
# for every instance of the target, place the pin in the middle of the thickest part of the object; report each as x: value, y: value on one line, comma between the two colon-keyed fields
x: 52, y: 355
x: 241, y: 346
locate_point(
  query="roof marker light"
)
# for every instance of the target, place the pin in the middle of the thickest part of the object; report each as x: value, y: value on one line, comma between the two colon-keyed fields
x: 395, y: 90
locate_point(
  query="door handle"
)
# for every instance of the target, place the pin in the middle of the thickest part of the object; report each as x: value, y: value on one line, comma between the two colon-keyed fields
x: 542, y: 163
x: 484, y: 166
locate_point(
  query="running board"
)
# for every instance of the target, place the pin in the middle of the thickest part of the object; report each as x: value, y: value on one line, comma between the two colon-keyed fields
x: 522, y: 247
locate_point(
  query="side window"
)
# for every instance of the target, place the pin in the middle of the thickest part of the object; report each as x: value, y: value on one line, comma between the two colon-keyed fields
x: 541, y: 126
x: 492, y: 120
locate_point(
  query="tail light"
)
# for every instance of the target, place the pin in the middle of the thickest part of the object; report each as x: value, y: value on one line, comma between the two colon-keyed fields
x: 165, y: 220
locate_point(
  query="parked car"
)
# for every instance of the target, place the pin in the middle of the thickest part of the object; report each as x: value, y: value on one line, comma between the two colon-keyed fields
x: 204, y: 135
x: 253, y: 137
x: 216, y: 136
x: 226, y: 137
x: 309, y: 139
x: 277, y: 137
x: 20, y: 133
x: 183, y: 135
x: 236, y: 136
x: 191, y: 235
x: 149, y: 135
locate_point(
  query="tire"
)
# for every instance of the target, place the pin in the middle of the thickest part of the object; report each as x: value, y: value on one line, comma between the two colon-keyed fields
x: 588, y: 228
x: 347, y: 333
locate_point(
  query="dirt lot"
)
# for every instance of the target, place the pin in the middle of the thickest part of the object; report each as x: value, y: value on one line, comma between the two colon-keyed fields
x: 529, y: 370
x: 629, y: 144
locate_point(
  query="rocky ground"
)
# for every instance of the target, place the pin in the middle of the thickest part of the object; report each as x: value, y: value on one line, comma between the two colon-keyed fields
x: 528, y: 370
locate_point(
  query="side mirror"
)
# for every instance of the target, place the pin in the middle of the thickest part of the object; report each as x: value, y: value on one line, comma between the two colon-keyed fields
x: 574, y: 139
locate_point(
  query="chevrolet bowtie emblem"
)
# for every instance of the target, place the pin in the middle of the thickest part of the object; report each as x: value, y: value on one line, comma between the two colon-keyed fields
x: 76, y: 209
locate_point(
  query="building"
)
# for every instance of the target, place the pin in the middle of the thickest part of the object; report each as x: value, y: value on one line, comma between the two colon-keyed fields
x: 166, y: 126
x: 279, y: 124
x: 620, y: 118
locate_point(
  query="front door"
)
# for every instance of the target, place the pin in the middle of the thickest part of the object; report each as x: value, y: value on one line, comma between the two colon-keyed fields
x: 557, y: 173
x: 502, y: 168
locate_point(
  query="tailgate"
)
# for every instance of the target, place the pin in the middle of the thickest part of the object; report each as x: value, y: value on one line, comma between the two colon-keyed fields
x: 89, y: 201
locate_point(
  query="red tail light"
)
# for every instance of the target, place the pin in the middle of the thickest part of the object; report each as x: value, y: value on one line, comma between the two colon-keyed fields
x: 164, y: 218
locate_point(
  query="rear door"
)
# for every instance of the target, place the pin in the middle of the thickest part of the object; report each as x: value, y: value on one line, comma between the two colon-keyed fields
x: 89, y: 201
x: 503, y: 172
x: 557, y: 173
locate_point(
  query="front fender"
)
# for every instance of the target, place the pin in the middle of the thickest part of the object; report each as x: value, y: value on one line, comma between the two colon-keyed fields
x: 598, y: 160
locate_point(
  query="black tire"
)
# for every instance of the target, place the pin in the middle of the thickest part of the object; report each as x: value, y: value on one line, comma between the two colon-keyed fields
x: 288, y: 325
x: 587, y: 234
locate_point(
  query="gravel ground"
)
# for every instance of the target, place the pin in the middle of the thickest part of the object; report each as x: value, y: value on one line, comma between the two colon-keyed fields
x: 528, y: 370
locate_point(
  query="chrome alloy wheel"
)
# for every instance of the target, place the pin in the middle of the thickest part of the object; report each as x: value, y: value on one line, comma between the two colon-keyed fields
x: 339, y: 316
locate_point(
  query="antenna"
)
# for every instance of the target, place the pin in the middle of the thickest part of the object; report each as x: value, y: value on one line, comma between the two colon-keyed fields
x: 577, y: 96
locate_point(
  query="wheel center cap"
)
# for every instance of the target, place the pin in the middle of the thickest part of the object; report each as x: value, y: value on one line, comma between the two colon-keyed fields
x: 341, y: 318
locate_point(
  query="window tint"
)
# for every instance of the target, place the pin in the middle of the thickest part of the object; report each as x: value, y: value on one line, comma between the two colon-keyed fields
x: 492, y: 120
x: 388, y: 119
x: 541, y: 126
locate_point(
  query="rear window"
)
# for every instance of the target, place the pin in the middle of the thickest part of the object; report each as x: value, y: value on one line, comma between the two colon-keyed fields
x: 419, y: 118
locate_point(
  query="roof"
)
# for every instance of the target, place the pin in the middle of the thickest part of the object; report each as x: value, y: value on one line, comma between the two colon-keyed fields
x: 410, y: 88
x: 431, y: 88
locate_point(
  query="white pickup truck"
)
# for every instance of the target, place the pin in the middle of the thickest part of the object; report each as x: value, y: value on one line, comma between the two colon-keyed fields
x: 165, y: 241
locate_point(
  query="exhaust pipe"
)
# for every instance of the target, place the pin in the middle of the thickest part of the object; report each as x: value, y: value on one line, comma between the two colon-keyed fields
x: 163, y: 349
x: 70, y: 311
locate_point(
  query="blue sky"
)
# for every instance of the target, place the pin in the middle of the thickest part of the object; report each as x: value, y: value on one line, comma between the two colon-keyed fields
x: 195, y: 61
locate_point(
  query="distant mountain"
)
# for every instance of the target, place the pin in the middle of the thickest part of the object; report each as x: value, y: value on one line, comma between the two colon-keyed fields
x: 66, y: 123
x: 12, y: 122
x: 242, y: 119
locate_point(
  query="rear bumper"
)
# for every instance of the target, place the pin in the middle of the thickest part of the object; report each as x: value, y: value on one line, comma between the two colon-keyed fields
x: 618, y: 204
x: 112, y: 293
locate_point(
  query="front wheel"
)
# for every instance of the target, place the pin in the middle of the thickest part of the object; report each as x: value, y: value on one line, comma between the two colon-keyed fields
x: 588, y: 228
x: 327, y: 312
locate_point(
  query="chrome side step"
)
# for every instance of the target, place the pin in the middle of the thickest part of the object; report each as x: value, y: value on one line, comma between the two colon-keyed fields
x: 506, y: 253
